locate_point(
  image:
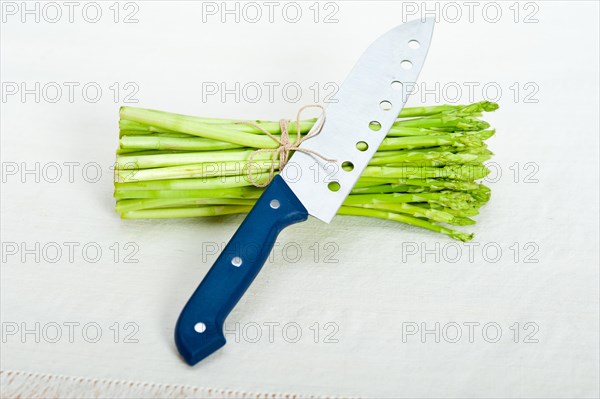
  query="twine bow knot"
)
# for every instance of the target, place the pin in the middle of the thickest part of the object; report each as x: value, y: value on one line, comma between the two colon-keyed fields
x: 286, y: 146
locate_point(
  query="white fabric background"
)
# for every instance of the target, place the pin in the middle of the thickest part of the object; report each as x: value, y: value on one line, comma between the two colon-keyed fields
x: 370, y: 292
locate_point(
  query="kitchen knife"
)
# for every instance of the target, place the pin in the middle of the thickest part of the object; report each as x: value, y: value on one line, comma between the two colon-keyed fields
x: 368, y: 103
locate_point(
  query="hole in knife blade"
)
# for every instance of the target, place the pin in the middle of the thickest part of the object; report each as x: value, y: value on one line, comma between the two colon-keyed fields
x: 362, y: 146
x: 374, y: 126
x: 275, y: 204
x: 406, y: 64
x: 334, y: 186
x: 385, y: 105
x: 396, y: 85
x: 348, y: 166
x: 414, y: 44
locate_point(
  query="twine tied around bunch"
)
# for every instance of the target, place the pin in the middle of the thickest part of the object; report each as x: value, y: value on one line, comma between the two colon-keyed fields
x: 285, y: 145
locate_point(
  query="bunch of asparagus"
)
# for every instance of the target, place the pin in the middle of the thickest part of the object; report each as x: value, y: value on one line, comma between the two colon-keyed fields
x: 424, y: 173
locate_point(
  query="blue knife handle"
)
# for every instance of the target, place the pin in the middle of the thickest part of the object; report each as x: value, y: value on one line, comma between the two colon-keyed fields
x: 199, y: 329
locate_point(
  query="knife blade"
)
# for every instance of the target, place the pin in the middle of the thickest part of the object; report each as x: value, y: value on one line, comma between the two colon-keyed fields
x: 369, y: 101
